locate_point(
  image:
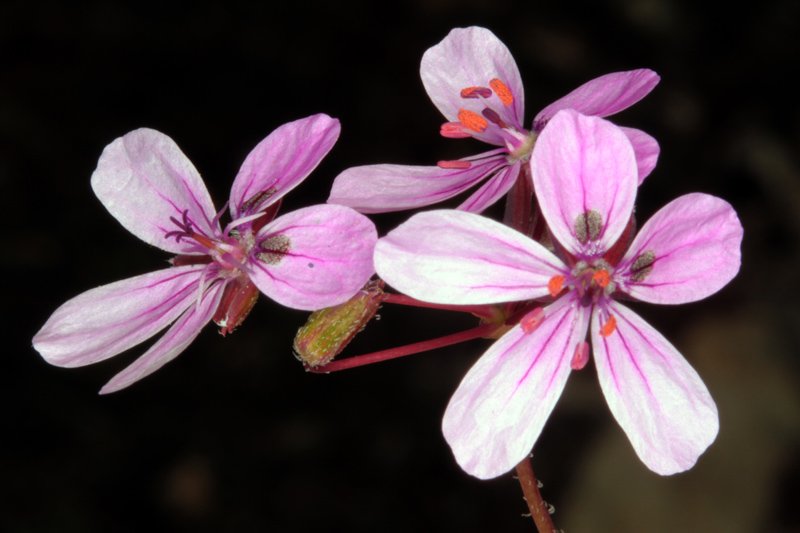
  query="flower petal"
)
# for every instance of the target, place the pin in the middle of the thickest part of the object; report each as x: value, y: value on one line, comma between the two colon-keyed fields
x: 603, y: 96
x: 107, y: 320
x: 171, y: 344
x: 646, y: 149
x: 585, y: 177
x: 281, y: 162
x: 501, y: 405
x: 491, y: 191
x: 143, y: 179
x: 456, y: 257
x: 470, y: 57
x: 688, y: 250
x: 655, y: 395
x: 314, y: 257
x: 384, y: 188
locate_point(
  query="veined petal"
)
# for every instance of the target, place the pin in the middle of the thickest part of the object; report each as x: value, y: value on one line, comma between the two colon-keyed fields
x: 470, y: 57
x: 646, y: 149
x: 384, y: 188
x: 107, y: 320
x: 688, y: 250
x: 314, y: 257
x: 501, y: 405
x: 655, y: 395
x: 491, y: 191
x: 585, y: 177
x: 603, y: 96
x: 143, y: 179
x: 281, y: 162
x: 171, y: 344
x: 456, y: 257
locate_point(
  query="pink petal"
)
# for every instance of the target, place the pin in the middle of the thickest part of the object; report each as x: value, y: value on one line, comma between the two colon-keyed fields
x: 646, y: 149
x: 470, y: 57
x: 107, y: 320
x: 491, y: 191
x: 326, y: 256
x: 688, y: 250
x: 584, y: 167
x: 655, y: 395
x: 501, y: 405
x: 281, y: 162
x: 603, y: 96
x: 457, y: 257
x: 384, y: 188
x: 171, y: 344
x: 143, y: 179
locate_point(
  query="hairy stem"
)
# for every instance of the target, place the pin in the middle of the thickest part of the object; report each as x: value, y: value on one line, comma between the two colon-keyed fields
x: 536, y: 505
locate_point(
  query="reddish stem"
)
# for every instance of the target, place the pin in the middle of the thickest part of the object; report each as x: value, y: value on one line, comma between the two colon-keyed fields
x: 402, y: 299
x: 536, y: 505
x: 402, y: 351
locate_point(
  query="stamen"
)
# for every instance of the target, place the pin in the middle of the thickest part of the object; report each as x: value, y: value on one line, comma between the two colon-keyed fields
x: 555, y: 285
x: 493, y: 117
x: 476, y: 92
x: 609, y: 327
x: 453, y: 130
x: 581, y: 356
x: 643, y: 265
x: 457, y: 164
x: 602, y: 278
x: 502, y: 91
x: 472, y: 121
x: 532, y: 320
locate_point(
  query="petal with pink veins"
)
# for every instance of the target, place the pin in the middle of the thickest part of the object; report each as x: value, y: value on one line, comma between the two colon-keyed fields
x: 314, y: 257
x: 384, y: 188
x: 585, y: 177
x: 171, y: 344
x: 456, y: 257
x: 470, y: 57
x: 107, y: 320
x: 646, y: 149
x: 143, y: 179
x: 491, y: 191
x: 655, y: 395
x: 687, y: 251
x: 503, y: 402
x: 280, y: 162
x: 603, y: 96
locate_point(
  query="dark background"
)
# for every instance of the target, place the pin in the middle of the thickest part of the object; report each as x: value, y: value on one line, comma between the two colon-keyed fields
x: 233, y: 435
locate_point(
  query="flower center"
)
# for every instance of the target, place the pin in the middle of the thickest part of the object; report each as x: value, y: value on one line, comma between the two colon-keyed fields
x: 227, y: 251
x: 592, y: 281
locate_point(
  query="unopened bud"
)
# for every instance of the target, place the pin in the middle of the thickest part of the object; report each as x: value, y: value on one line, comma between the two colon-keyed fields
x: 328, y: 331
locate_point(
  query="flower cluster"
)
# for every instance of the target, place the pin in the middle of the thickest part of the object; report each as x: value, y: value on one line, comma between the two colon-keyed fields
x: 551, y: 294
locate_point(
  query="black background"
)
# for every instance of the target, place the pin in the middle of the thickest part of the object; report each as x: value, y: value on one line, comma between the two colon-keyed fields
x: 233, y: 435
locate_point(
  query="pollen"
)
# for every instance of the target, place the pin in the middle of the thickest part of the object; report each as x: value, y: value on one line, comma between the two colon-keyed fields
x: 274, y: 248
x: 588, y: 226
x: 476, y: 92
x: 502, y: 91
x: 473, y: 121
x: 602, y: 278
x: 532, y: 321
x: 555, y: 285
x: 609, y: 327
x: 642, y: 265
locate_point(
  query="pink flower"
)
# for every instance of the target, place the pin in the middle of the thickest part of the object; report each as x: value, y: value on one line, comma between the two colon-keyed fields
x: 585, y: 177
x: 473, y: 80
x: 307, y: 259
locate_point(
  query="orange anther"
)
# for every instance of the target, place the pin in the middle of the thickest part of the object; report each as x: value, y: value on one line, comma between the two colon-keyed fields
x: 555, y: 285
x: 502, y: 91
x: 602, y: 278
x: 473, y: 121
x: 609, y: 327
x: 581, y: 356
x: 476, y: 92
x: 454, y: 165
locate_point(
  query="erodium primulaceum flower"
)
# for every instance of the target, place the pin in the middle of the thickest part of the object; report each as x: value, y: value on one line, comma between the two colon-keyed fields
x: 308, y: 259
x: 473, y: 80
x: 585, y: 178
